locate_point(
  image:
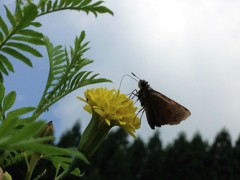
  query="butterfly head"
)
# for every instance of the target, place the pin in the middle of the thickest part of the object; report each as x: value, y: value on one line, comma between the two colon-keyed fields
x: 142, y: 84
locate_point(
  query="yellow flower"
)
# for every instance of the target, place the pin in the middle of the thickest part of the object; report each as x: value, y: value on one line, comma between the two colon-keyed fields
x: 115, y: 109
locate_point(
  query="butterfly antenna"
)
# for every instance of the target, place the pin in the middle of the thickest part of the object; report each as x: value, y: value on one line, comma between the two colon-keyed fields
x: 135, y: 76
x: 125, y: 76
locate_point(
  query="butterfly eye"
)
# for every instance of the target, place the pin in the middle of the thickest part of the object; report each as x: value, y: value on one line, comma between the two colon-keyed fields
x: 142, y: 84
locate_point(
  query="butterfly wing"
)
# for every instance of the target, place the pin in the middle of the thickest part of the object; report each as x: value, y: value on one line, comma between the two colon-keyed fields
x: 162, y: 110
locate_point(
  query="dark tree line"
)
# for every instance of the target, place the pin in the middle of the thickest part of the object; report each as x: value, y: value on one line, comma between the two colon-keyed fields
x: 182, y: 159
x: 118, y: 158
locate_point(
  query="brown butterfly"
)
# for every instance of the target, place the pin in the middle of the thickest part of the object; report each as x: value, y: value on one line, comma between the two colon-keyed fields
x: 160, y: 109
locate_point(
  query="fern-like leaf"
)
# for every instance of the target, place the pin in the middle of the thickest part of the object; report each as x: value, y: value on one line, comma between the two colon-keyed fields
x: 15, y: 53
x: 66, y: 74
x: 5, y: 64
x: 16, y: 36
x: 8, y: 157
x: 18, y: 134
x: 87, y: 6
x: 3, y: 26
x: 15, y: 139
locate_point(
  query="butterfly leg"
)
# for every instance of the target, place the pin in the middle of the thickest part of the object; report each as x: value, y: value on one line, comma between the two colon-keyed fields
x: 133, y: 94
x: 141, y: 110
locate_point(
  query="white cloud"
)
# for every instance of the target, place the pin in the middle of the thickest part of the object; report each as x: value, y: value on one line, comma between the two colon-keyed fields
x: 188, y: 50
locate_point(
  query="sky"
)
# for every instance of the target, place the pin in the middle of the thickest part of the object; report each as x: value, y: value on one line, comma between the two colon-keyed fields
x: 187, y: 50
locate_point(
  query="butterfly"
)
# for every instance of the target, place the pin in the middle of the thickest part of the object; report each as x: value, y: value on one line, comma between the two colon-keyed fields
x: 160, y: 109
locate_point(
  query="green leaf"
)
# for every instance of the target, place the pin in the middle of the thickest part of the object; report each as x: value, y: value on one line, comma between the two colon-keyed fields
x: 76, y: 172
x: 30, y: 40
x: 49, y: 5
x: 1, y: 37
x: 67, y: 3
x: 97, y: 3
x: 36, y: 24
x: 41, y: 5
x: 20, y: 111
x: 17, y: 55
x: 86, y: 2
x: 2, y: 93
x: 25, y: 48
x: 103, y: 9
x: 30, y: 33
x: 30, y: 12
x: 10, y: 17
x: 74, y: 82
x: 49, y: 149
x: 81, y: 38
x: 1, y: 77
x: 3, y: 26
x: 62, y: 2
x: 6, y: 127
x: 3, y: 69
x: 9, y: 100
x: 18, y: 13
x: 60, y: 60
x: 75, y: 2
x: 55, y: 5
x: 29, y: 130
x: 6, y: 63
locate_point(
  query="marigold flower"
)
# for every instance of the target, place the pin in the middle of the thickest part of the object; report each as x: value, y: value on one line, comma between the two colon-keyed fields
x: 116, y: 109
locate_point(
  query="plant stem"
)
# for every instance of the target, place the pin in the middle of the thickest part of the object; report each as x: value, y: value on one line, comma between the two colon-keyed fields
x: 92, y: 138
x: 32, y: 164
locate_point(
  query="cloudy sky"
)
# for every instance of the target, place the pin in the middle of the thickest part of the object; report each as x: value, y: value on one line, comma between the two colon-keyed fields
x: 187, y: 50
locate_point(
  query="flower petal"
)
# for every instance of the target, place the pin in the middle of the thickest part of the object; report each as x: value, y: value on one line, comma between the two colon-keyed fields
x: 88, y: 108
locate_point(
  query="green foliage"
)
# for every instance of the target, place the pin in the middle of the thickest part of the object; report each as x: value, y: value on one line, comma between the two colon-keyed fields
x: 120, y: 159
x: 17, y: 36
x: 17, y: 33
x: 87, y: 6
x: 18, y: 133
x: 19, y: 39
x: 66, y: 73
x: 7, y: 101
